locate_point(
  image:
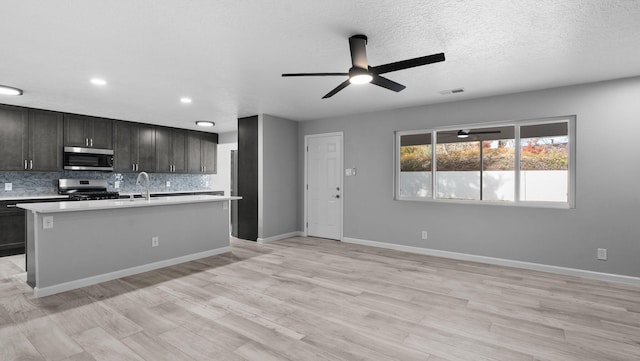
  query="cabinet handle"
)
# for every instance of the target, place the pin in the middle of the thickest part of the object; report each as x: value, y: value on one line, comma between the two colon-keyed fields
x: 31, y: 164
x: 25, y: 164
x: 133, y: 166
x: 137, y: 166
x: 91, y: 142
x: 86, y: 142
x: 11, y: 206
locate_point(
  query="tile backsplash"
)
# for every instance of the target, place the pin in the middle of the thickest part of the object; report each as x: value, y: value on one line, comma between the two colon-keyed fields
x: 46, y: 183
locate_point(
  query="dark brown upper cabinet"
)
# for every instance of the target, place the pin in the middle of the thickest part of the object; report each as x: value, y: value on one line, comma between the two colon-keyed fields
x: 135, y: 147
x: 31, y: 139
x: 88, y: 132
x: 202, y: 153
x: 171, y: 150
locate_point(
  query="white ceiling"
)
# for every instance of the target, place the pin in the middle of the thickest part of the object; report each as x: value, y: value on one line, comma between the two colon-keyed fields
x: 228, y: 55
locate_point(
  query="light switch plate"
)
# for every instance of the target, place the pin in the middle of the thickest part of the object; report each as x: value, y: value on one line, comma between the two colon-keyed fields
x: 8, y: 186
x: 168, y: 184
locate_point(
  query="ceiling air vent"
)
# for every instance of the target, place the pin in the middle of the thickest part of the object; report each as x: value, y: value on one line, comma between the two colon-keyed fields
x: 451, y: 91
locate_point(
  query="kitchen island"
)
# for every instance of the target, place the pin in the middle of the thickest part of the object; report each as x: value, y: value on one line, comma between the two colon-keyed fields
x: 76, y: 244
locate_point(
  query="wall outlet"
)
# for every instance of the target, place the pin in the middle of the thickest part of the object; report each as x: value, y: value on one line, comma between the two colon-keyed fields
x: 602, y: 254
x: 154, y: 241
x: 168, y: 184
x: 116, y: 184
x: 424, y: 235
x: 8, y: 186
x: 47, y: 222
x: 225, y: 205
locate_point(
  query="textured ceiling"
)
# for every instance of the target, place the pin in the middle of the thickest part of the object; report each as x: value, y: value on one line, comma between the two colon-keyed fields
x: 227, y: 55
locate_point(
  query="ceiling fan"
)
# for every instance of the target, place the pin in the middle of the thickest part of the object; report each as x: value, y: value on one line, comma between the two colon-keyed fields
x: 361, y: 72
x: 465, y: 133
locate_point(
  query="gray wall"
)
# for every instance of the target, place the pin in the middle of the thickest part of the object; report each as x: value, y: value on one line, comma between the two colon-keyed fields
x: 607, y: 212
x: 279, y: 197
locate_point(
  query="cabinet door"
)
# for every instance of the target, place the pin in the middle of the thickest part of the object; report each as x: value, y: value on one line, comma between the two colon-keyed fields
x: 164, y: 161
x: 75, y: 134
x: 101, y: 133
x: 13, y: 138
x: 146, y: 148
x: 12, y: 230
x: 179, y: 150
x: 194, y: 153
x: 209, y: 152
x: 45, y: 140
x: 124, y: 157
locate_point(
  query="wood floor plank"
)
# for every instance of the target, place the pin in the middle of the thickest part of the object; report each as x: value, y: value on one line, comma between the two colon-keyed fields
x: 104, y: 347
x: 49, y: 339
x: 305, y: 298
x: 152, y: 348
x: 15, y: 346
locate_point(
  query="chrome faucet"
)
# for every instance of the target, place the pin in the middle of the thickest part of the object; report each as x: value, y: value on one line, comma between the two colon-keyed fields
x: 146, y: 195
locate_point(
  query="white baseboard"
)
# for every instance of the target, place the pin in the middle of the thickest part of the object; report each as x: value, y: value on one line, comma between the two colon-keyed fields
x: 279, y: 237
x: 67, y: 286
x: 500, y: 262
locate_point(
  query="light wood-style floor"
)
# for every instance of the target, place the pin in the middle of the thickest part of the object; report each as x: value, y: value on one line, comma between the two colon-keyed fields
x: 314, y: 299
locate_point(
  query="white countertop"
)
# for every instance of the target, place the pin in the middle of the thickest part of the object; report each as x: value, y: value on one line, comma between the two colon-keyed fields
x: 126, y: 194
x: 75, y: 206
x: 171, y: 192
x: 42, y: 196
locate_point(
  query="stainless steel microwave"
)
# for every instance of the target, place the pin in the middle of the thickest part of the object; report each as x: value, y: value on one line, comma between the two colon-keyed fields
x: 77, y: 158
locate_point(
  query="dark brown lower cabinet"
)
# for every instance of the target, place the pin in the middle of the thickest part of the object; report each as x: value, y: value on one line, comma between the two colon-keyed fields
x: 13, y: 226
x: 12, y: 229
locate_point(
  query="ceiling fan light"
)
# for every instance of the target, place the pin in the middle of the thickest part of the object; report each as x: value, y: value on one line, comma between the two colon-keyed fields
x: 7, y: 90
x: 463, y: 134
x: 361, y: 79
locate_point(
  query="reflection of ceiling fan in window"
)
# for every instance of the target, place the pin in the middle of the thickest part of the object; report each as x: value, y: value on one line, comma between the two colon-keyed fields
x: 465, y: 133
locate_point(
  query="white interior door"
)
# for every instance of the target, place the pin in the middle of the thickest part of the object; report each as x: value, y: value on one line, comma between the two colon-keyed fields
x: 324, y: 186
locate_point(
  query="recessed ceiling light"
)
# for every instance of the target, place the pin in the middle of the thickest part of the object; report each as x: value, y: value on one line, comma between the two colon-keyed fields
x: 7, y: 90
x: 204, y: 123
x: 185, y: 100
x: 98, y: 81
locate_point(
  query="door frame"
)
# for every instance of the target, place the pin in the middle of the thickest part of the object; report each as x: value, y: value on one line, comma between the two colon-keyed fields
x: 304, y: 186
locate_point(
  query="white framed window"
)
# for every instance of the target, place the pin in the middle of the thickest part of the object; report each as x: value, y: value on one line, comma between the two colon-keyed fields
x: 524, y: 163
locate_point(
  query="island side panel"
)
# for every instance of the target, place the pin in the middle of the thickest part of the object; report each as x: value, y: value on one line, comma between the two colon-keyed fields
x: 97, y: 242
x: 30, y: 253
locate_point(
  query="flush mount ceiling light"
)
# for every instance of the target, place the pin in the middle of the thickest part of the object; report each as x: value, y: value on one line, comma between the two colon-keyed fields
x: 204, y: 123
x: 185, y: 100
x: 7, y: 90
x: 98, y: 81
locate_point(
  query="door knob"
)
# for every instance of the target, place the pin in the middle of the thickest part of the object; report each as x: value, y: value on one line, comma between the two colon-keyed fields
x: 337, y: 196
x: 337, y: 188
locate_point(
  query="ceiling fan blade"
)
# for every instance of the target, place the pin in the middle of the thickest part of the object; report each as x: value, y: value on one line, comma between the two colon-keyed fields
x: 409, y: 63
x: 315, y: 74
x: 357, y: 46
x: 485, y: 132
x: 337, y: 89
x: 386, y: 83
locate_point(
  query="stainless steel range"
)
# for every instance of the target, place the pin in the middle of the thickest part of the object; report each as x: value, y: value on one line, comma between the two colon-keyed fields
x: 85, y: 189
